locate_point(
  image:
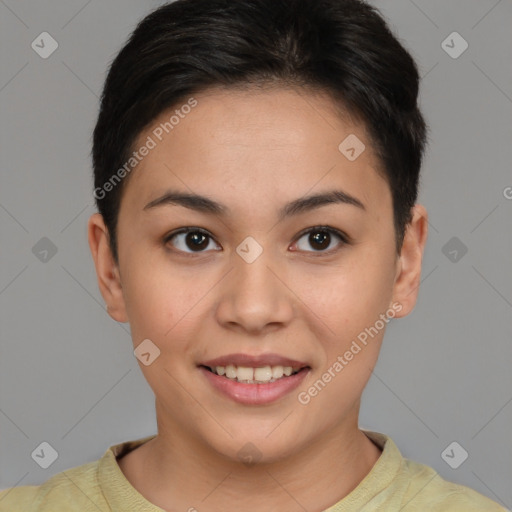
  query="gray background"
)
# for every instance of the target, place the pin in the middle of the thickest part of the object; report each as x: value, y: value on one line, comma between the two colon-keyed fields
x: 67, y: 372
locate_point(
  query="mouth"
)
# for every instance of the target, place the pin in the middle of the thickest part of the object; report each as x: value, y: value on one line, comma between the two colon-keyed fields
x: 254, y: 380
x: 254, y: 375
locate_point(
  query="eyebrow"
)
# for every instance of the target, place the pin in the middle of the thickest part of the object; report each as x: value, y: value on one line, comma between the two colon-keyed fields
x: 206, y: 205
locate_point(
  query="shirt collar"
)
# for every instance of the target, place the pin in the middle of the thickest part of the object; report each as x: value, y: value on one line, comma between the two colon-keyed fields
x: 120, y: 494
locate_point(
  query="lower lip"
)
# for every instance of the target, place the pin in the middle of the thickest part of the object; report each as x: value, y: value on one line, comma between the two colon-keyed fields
x: 255, y: 394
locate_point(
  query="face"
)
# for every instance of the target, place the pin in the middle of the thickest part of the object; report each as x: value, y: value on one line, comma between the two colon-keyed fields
x: 266, y: 277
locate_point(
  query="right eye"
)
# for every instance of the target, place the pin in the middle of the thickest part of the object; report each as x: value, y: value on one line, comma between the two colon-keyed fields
x: 195, y: 239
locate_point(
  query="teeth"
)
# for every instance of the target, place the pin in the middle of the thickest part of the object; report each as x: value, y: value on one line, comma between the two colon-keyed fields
x: 277, y: 372
x: 244, y: 373
x: 263, y: 374
x: 231, y: 371
x: 254, y: 375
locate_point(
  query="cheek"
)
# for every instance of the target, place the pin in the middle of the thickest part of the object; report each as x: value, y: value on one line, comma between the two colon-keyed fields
x: 167, y: 304
x: 350, y: 297
x: 154, y: 297
x: 351, y: 305
x: 351, y: 308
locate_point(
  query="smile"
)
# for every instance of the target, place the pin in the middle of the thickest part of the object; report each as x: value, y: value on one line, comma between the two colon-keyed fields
x: 259, y: 375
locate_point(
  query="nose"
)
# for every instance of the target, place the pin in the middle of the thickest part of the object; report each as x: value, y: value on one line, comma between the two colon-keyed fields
x: 255, y: 295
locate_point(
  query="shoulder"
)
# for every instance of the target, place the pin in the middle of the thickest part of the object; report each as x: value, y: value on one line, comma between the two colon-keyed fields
x: 427, y: 490
x: 91, y: 487
x: 75, y: 489
x: 409, y: 486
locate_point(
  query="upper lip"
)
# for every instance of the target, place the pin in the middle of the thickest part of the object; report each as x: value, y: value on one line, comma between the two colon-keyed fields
x: 254, y: 361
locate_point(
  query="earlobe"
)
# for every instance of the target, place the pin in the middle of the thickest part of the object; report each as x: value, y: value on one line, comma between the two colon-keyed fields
x: 407, y: 281
x: 107, y: 271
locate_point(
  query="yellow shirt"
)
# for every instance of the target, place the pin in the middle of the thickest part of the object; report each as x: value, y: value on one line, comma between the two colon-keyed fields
x: 393, y: 484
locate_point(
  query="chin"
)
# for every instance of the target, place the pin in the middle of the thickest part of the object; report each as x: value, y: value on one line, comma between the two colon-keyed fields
x: 254, y: 445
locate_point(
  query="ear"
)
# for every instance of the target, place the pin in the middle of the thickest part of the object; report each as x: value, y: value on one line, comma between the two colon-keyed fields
x: 408, y: 276
x: 107, y: 271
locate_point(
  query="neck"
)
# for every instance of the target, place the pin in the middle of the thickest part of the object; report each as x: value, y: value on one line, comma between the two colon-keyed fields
x: 177, y: 472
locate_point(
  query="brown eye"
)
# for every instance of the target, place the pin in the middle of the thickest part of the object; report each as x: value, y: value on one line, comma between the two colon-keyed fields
x: 190, y: 240
x: 320, y: 239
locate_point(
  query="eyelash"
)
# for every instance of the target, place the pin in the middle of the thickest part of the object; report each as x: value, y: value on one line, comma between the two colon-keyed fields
x: 344, y: 239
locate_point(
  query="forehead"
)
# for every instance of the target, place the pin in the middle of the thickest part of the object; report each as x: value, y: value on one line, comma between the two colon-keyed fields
x: 263, y: 144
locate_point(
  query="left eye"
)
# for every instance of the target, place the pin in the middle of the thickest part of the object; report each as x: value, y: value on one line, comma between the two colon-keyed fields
x: 320, y: 238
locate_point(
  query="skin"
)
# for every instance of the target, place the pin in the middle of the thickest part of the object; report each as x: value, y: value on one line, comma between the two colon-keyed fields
x: 254, y: 151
